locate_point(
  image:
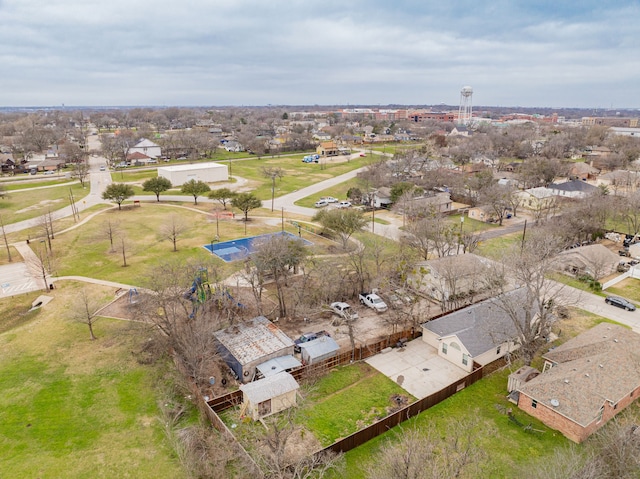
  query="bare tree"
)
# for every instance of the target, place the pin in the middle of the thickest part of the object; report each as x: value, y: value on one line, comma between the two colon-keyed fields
x: 273, y: 173
x: 278, y: 257
x: 43, y: 261
x: 418, y: 454
x: 278, y: 457
x: 4, y: 237
x: 123, y: 250
x: 532, y: 313
x: 173, y: 229
x: 110, y: 229
x: 80, y: 171
x: 85, y: 312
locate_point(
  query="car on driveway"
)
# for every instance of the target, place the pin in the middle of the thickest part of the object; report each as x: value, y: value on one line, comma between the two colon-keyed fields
x: 329, y: 199
x: 344, y: 204
x: 321, y: 203
x: 620, y: 303
x: 343, y: 310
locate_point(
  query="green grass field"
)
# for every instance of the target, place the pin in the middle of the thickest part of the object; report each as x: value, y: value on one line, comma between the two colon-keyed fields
x: 297, y: 175
x: 77, y: 408
x: 23, y: 205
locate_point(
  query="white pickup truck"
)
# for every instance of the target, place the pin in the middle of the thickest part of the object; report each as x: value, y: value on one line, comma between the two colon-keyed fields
x: 373, y: 301
x: 343, y: 310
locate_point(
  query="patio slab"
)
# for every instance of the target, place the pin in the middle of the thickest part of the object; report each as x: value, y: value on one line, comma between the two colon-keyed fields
x: 422, y: 371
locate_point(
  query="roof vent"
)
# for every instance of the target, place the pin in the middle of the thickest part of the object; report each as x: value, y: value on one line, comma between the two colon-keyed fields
x: 600, y: 365
x: 555, y: 402
x: 615, y: 340
x: 566, y: 381
x: 586, y: 375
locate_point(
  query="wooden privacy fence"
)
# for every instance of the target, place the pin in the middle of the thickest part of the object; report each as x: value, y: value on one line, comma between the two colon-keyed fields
x: 364, y: 351
x: 383, y: 425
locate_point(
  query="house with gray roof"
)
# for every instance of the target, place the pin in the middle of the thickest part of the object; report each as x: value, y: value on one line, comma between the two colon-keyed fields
x: 319, y: 349
x: 480, y: 333
x: 573, y: 189
x: 585, y: 381
x: 595, y: 260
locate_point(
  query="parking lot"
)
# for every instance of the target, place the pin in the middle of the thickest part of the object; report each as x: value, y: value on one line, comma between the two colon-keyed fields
x: 15, y: 279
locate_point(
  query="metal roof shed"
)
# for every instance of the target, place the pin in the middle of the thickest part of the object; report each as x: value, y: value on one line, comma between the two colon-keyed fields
x: 269, y: 395
x: 319, y: 349
x: 278, y: 365
x: 245, y: 345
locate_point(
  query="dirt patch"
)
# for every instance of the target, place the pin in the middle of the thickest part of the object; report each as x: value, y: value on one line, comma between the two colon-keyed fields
x: 39, y: 205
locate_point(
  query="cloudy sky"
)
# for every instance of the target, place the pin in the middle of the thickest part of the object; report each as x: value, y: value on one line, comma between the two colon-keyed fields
x: 560, y: 53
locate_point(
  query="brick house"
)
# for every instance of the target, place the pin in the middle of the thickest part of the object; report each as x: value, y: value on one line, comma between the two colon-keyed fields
x: 585, y: 382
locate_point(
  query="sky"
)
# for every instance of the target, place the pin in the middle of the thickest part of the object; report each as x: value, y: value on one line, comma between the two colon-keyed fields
x: 547, y: 53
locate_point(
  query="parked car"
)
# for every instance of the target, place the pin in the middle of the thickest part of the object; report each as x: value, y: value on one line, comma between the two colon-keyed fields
x: 343, y: 310
x: 321, y: 203
x: 306, y: 337
x: 329, y: 199
x: 51, y: 172
x: 620, y: 303
x: 373, y: 301
x: 103, y: 168
x: 344, y: 204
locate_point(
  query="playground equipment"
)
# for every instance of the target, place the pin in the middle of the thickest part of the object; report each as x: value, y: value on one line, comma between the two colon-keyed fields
x: 202, y: 291
x: 133, y: 296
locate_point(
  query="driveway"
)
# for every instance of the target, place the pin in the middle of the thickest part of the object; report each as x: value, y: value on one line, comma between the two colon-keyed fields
x: 421, y: 371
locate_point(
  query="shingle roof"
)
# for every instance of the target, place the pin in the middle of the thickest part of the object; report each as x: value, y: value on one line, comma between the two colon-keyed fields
x: 574, y: 185
x: 602, y: 364
x: 482, y: 326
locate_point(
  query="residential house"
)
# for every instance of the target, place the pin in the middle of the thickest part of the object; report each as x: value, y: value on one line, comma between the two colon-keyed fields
x: 233, y: 146
x: 460, y: 130
x: 585, y: 381
x: 593, y: 260
x: 382, y: 197
x: 482, y: 213
x: 327, y: 148
x: 138, y: 158
x: 583, y: 171
x: 536, y: 198
x: 321, y: 136
x: 245, y: 345
x: 269, y: 395
x: 480, y: 333
x: 147, y: 148
x: 429, y: 201
x: 574, y: 189
x: 454, y: 280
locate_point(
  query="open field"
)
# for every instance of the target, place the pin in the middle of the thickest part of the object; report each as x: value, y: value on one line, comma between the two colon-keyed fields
x: 297, y: 175
x: 77, y: 408
x: 24, y: 205
x: 25, y: 184
x: 86, y: 250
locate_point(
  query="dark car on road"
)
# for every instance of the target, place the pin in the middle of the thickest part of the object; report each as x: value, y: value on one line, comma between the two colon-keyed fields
x: 620, y: 303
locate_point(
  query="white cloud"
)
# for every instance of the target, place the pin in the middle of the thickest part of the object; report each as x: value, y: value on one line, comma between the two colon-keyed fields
x: 304, y: 52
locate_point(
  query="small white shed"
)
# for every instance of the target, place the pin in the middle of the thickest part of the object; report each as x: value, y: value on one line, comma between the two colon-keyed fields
x: 208, y: 172
x: 269, y: 395
x: 319, y: 349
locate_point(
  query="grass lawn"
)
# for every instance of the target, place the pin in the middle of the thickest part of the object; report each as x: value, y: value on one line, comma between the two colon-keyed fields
x: 338, y: 191
x: 346, y: 400
x: 76, y: 408
x: 24, y: 205
x: 504, y: 444
x: 37, y: 184
x: 495, y: 248
x: 86, y: 251
x: 297, y: 174
x: 628, y: 288
x: 129, y: 176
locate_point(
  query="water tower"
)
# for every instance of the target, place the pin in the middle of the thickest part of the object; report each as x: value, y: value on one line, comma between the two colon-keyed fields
x: 464, y: 113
